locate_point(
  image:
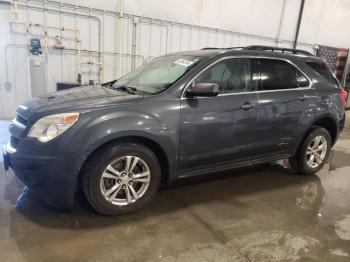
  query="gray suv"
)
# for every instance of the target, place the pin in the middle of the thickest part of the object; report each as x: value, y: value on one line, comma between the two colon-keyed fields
x: 183, y: 114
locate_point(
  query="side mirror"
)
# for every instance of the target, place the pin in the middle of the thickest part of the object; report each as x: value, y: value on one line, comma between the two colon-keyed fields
x: 203, y: 89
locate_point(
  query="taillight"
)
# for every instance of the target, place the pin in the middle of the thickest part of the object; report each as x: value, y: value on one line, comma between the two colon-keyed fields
x: 343, y: 95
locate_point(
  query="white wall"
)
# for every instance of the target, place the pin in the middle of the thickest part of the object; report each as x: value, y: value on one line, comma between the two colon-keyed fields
x: 249, y: 16
x: 324, y: 22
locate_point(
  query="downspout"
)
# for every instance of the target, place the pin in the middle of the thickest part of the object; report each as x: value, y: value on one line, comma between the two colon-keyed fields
x: 301, y: 10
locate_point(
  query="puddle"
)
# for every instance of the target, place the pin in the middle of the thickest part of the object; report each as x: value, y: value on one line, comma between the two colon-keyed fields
x: 342, y: 228
x: 206, y: 252
x: 258, y: 246
x: 339, y: 252
x: 273, y: 245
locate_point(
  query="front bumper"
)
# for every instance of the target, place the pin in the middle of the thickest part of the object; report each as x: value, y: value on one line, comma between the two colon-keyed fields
x: 51, y: 176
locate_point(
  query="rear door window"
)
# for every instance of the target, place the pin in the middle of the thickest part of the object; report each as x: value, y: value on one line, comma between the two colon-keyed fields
x: 278, y: 74
x: 321, y: 69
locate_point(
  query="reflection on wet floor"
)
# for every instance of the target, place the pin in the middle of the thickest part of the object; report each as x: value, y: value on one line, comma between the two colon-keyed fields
x: 264, y: 213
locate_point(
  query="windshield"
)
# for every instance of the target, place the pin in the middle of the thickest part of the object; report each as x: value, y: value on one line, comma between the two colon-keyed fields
x: 157, y: 75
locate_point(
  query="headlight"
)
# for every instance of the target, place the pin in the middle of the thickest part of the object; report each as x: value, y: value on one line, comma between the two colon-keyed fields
x: 49, y: 127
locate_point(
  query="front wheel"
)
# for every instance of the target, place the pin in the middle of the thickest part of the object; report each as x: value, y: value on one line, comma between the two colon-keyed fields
x: 313, y: 153
x: 121, y: 178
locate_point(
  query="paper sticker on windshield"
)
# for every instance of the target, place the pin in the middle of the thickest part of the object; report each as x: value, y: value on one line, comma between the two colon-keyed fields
x: 184, y: 62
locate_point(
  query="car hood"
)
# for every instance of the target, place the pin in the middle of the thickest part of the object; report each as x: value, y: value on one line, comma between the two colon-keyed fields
x: 79, y: 98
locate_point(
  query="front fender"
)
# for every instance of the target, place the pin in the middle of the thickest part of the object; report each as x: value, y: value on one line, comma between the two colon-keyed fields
x: 108, y: 126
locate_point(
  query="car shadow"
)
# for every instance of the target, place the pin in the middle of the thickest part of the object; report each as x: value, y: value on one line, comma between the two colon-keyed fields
x: 227, y: 187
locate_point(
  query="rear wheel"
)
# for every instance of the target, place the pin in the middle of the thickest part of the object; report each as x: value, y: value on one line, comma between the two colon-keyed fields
x: 313, y: 152
x: 121, y: 178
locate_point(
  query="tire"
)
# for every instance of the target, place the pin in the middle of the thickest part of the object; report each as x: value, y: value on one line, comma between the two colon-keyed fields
x: 106, y: 173
x: 302, y: 162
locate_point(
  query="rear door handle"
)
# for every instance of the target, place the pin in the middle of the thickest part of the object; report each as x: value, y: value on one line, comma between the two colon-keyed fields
x: 303, y: 97
x: 247, y: 106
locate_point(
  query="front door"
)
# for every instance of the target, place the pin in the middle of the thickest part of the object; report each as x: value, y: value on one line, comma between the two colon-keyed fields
x: 218, y: 131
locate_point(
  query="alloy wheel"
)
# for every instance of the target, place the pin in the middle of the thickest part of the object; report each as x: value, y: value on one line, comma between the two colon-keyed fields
x: 125, y: 180
x: 316, y: 151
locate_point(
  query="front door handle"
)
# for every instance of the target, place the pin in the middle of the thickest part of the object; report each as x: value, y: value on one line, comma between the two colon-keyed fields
x: 303, y: 97
x: 247, y: 106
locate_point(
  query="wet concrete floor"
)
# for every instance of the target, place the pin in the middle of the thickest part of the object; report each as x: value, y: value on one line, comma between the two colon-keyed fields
x: 264, y: 213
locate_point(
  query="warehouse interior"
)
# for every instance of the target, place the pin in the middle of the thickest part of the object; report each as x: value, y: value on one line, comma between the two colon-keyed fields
x: 258, y: 213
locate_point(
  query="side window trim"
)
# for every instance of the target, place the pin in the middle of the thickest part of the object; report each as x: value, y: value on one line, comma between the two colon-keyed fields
x: 251, y: 60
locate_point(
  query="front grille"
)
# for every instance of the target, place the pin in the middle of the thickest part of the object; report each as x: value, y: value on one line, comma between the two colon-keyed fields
x: 14, y: 141
x: 21, y: 120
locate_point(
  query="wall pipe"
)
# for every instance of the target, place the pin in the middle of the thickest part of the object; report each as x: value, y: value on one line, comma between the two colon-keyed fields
x: 73, y: 14
x: 146, y: 19
x: 89, y: 42
x: 301, y: 10
x: 102, y: 49
x: 143, y: 60
x: 133, y: 42
x: 121, y: 16
x: 160, y: 23
x: 61, y: 37
x: 14, y: 56
x: 45, y: 28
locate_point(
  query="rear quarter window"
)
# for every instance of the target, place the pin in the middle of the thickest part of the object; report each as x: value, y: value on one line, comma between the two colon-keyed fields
x: 321, y: 69
x: 278, y: 74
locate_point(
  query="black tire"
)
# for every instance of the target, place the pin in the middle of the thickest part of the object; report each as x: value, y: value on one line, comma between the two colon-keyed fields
x: 299, y: 161
x: 95, y: 166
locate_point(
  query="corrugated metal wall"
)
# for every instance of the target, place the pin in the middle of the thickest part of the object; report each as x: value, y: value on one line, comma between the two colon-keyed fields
x: 102, y: 45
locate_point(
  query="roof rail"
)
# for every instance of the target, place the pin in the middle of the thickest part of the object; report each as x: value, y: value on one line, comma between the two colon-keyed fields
x: 235, y: 47
x: 208, y: 48
x: 281, y: 49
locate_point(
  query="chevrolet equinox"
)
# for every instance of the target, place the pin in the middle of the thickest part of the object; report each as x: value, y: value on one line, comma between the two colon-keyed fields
x: 182, y: 114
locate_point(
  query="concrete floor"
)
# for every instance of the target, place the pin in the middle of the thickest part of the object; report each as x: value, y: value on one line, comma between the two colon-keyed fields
x: 256, y: 214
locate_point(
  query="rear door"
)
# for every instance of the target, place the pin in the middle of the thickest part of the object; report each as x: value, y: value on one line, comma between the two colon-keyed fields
x: 284, y: 97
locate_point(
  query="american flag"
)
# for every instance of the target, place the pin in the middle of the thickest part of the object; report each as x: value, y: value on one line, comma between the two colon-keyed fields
x: 335, y: 58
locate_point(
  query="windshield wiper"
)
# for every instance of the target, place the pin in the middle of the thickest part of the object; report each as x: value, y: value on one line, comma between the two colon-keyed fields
x: 130, y: 90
